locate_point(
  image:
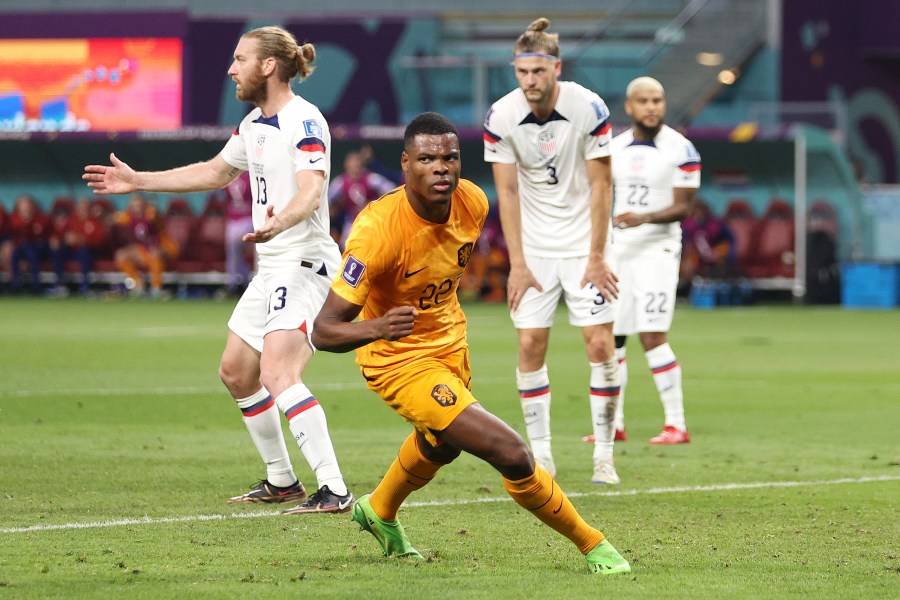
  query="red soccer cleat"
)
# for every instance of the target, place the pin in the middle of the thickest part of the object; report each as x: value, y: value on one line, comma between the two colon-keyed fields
x: 620, y: 436
x: 671, y: 435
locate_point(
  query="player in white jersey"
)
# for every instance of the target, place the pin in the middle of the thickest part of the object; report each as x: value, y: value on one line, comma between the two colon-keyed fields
x: 285, y: 145
x: 548, y: 142
x: 656, y: 173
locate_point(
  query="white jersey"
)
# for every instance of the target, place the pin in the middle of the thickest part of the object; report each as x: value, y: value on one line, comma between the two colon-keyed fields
x: 273, y: 149
x: 644, y: 175
x: 554, y: 191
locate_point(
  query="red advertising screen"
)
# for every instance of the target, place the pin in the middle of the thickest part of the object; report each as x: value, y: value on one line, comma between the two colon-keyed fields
x: 97, y: 84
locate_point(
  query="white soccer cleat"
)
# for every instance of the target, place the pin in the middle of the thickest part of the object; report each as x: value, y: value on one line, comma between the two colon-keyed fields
x: 605, y: 472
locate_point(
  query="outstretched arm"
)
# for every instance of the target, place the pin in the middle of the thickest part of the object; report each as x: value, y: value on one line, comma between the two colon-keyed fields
x: 119, y: 178
x: 336, y: 331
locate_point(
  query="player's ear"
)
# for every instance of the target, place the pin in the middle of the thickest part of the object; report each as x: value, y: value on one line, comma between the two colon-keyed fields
x: 269, y: 65
x: 404, y: 162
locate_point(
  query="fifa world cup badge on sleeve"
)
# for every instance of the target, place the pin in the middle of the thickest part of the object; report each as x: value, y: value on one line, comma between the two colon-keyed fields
x: 353, y: 270
x: 312, y: 128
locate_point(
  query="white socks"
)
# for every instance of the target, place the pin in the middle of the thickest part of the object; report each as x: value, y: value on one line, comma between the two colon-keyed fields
x: 310, y: 428
x: 623, y: 375
x: 534, y: 395
x: 667, y: 376
x: 264, y: 426
x: 605, y: 390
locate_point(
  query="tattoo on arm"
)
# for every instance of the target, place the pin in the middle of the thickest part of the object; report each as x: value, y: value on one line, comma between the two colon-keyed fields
x: 234, y: 172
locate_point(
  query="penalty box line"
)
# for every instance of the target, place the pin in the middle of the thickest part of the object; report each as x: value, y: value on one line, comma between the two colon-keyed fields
x: 612, y: 493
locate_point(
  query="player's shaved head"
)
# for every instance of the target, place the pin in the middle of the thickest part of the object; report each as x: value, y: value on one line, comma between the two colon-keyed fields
x: 643, y: 84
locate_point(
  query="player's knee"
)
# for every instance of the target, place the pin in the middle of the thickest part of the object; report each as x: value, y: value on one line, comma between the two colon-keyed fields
x: 513, y: 459
x: 651, y: 340
x: 227, y: 374
x: 443, y: 454
x: 532, y: 345
x: 234, y: 377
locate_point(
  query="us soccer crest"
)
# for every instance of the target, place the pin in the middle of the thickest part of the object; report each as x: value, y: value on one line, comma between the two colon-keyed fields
x: 637, y: 164
x: 443, y: 395
x: 260, y: 146
x: 464, y: 253
x: 547, y: 142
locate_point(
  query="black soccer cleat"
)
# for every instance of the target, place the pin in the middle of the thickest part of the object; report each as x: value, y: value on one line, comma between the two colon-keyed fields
x: 323, y: 501
x: 265, y: 492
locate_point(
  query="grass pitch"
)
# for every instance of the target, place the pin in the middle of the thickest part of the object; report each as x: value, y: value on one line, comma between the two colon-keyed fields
x: 118, y: 448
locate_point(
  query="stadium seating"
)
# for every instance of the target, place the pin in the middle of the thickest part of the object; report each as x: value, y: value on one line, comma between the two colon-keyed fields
x: 179, y: 207
x: 742, y: 222
x: 63, y: 206
x: 772, y: 252
x: 207, y: 252
x: 103, y: 260
x: 210, y: 243
x: 104, y: 206
x: 180, y: 224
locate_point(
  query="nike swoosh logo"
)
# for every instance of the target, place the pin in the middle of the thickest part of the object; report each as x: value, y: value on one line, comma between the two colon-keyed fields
x: 344, y: 503
x: 560, y: 506
x: 409, y: 274
x: 316, y: 160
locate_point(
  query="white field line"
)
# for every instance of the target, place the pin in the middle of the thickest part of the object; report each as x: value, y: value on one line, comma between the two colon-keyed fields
x: 349, y: 385
x: 192, y: 390
x: 652, y: 491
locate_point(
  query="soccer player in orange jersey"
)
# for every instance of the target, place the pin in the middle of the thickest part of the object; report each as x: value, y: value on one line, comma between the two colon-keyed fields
x: 402, y: 266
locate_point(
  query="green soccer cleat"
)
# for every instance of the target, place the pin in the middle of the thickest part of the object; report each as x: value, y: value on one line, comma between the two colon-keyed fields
x: 606, y: 560
x: 389, y: 534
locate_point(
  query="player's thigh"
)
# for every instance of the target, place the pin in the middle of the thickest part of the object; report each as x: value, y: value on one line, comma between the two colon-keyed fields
x: 488, y: 437
x: 537, y: 308
x: 626, y: 304
x: 655, y: 287
x: 278, y: 300
x: 248, y: 319
x: 430, y: 393
x: 585, y: 304
x: 294, y: 298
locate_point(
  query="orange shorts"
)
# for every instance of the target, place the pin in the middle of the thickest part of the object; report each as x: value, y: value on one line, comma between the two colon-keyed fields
x: 429, y: 393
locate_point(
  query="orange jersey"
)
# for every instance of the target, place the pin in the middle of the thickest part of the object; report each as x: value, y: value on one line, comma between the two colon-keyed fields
x: 394, y: 257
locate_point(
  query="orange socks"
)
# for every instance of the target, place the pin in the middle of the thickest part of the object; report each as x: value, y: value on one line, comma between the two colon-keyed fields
x: 156, y: 266
x: 409, y: 472
x: 541, y: 495
x: 130, y: 269
x: 538, y: 493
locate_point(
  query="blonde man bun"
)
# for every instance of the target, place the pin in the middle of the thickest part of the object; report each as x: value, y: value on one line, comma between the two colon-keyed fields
x: 536, y: 40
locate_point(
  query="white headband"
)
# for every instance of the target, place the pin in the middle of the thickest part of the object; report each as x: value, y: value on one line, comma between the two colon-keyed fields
x: 537, y: 54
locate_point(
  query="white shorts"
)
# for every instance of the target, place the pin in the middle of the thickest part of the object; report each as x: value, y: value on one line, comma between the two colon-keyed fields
x: 560, y: 278
x: 281, y: 298
x: 648, y: 281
